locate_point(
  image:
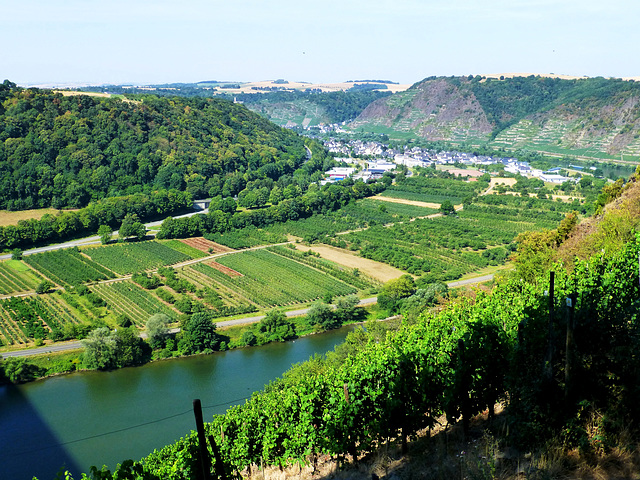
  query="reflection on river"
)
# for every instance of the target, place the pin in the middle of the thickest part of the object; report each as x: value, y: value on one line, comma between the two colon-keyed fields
x: 96, y: 418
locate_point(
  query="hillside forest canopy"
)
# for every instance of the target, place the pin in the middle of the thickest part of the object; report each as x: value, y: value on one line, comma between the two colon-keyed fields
x: 66, y: 151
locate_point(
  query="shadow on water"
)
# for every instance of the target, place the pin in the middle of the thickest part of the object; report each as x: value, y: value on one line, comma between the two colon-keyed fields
x: 102, y: 418
x: 26, y: 437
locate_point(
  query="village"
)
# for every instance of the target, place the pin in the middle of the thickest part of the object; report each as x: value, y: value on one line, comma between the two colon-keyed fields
x: 371, y: 159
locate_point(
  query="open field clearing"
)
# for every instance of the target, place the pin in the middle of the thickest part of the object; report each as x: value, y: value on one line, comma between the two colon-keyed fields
x: 464, y: 172
x: 405, y: 201
x: 205, y: 245
x: 12, y: 218
x: 325, y: 87
x: 377, y: 270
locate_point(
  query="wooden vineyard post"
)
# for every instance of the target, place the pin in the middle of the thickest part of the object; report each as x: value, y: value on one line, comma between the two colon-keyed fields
x: 548, y: 370
x: 205, y: 465
x: 464, y: 389
x: 219, y: 467
x: 569, y: 349
x: 352, y: 446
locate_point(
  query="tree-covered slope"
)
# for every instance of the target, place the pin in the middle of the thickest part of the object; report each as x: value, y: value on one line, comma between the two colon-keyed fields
x: 64, y: 151
x: 310, y: 108
x: 592, y: 117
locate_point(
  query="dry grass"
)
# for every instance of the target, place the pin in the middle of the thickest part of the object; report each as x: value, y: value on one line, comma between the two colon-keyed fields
x: 407, y: 202
x: 12, y: 218
x: 376, y: 270
x: 325, y: 87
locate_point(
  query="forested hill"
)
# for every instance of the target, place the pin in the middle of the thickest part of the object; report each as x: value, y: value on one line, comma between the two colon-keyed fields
x: 65, y: 151
x: 593, y: 117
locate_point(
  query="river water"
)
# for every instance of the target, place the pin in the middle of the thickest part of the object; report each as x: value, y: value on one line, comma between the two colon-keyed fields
x: 103, y: 418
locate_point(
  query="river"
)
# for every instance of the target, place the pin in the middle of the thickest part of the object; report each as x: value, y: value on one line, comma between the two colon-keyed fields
x: 96, y: 418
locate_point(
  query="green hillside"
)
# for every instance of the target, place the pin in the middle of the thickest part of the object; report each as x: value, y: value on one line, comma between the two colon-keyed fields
x: 592, y: 117
x: 65, y: 151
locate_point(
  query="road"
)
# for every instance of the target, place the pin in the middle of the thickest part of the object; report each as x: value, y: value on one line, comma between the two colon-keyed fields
x: 93, y: 240
x: 75, y: 344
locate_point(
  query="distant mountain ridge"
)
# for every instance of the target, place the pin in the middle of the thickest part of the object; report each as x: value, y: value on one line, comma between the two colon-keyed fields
x: 594, y: 117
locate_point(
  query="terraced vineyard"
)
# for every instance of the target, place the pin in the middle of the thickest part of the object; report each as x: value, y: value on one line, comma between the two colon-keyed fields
x: 15, y: 277
x: 128, y: 258
x: 67, y: 267
x: 186, y: 248
x: 204, y: 245
x: 446, y: 248
x: 24, y: 318
x: 127, y: 298
x: 434, y: 190
x: 272, y: 280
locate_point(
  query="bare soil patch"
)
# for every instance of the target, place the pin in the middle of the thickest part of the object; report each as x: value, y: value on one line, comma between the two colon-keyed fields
x: 70, y: 93
x: 464, y: 172
x: 202, y: 244
x: 373, y: 269
x: 325, y: 87
x: 12, y: 218
x: 230, y: 272
x: 408, y: 202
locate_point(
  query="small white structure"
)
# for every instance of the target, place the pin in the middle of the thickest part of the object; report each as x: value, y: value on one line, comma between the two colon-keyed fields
x: 340, y: 173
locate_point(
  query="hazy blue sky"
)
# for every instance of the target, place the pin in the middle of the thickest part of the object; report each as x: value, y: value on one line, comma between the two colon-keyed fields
x: 156, y: 41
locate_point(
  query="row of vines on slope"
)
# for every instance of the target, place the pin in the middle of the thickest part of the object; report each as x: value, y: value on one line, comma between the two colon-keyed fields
x: 458, y: 362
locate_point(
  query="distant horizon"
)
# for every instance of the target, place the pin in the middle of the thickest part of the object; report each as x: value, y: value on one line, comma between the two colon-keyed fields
x: 62, y: 85
x: 141, y: 42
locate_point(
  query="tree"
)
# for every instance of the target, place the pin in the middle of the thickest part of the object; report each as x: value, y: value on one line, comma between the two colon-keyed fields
x: 99, y: 349
x: 17, y: 370
x: 395, y: 290
x: 16, y: 254
x: 44, y: 287
x: 105, y: 232
x: 275, y: 327
x: 347, y: 308
x: 130, y: 349
x: 322, y: 317
x: 132, y: 227
x: 447, y: 208
x: 199, y: 334
x: 157, y: 330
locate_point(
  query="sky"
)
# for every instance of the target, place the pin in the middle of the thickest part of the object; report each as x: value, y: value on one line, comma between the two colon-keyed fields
x: 56, y: 42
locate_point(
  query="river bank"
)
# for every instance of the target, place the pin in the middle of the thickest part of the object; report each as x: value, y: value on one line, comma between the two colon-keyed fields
x: 96, y: 418
x: 51, y: 363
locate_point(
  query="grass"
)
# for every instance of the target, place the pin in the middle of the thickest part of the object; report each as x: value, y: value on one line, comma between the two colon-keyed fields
x: 12, y: 218
x: 17, y: 265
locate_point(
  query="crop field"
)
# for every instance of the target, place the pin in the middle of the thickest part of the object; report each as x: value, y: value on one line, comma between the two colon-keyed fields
x: 218, y: 296
x: 24, y: 318
x: 398, y: 210
x: 67, y: 267
x: 125, y: 297
x: 350, y: 276
x: 434, y: 189
x: 128, y: 258
x: 183, y: 247
x: 16, y: 277
x: 246, y: 238
x: 445, y: 248
x: 273, y: 280
x: 204, y: 245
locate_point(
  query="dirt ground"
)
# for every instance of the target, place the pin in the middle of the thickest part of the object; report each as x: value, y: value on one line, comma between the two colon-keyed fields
x: 376, y: 270
x: 464, y: 172
x: 12, y: 218
x: 407, y: 202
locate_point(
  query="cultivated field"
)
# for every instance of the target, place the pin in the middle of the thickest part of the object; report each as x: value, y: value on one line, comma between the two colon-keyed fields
x: 377, y: 270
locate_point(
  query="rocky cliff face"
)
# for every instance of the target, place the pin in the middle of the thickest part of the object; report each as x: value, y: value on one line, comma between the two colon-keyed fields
x: 592, y: 117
